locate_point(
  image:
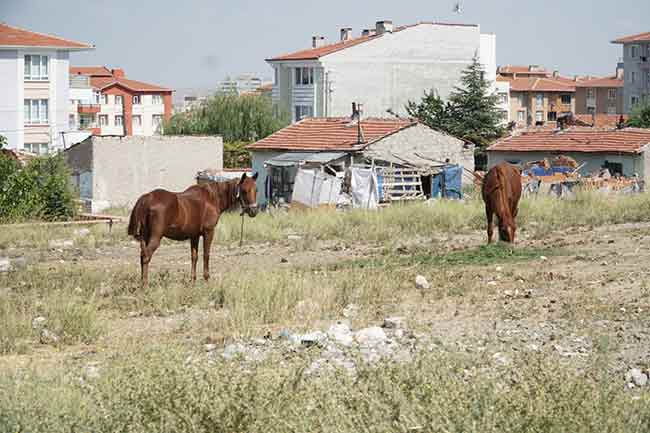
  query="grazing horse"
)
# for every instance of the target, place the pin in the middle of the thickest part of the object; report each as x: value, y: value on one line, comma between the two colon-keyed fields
x: 188, y: 215
x: 501, y: 192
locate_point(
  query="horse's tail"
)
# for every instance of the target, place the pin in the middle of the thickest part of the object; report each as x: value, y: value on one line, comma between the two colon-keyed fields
x: 138, y: 219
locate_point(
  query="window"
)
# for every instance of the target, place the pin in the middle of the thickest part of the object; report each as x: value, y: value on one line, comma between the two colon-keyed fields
x: 539, y: 116
x: 119, y: 100
x: 103, y: 98
x: 96, y: 97
x: 634, y: 100
x: 36, y: 111
x: 119, y: 120
x: 540, y: 99
x: 611, y: 110
x: 591, y: 94
x: 566, y: 99
x: 503, y: 114
x: 103, y: 120
x: 36, y: 67
x: 37, y: 148
x: 157, y: 121
x: 303, y: 111
x: 632, y: 77
x: 520, y: 98
x: 156, y: 99
x: 521, y: 116
x: 591, y: 110
x: 136, y: 99
x: 503, y: 98
x: 304, y: 76
x: 611, y: 94
x: 634, y: 51
x: 275, y: 76
x: 71, y: 121
x: 137, y: 121
x: 551, y: 116
x: 614, y: 167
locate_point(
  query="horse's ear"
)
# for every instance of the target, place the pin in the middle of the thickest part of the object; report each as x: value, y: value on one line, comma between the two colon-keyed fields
x: 243, y: 178
x: 255, y: 176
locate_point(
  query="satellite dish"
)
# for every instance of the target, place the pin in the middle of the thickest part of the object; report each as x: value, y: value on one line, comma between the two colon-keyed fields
x: 458, y: 8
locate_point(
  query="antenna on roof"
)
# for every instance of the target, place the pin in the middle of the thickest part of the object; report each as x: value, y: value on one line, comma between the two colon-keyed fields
x: 458, y: 8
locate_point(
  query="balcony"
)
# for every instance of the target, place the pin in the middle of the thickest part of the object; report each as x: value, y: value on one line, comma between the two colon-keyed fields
x: 88, y: 108
x: 644, y: 63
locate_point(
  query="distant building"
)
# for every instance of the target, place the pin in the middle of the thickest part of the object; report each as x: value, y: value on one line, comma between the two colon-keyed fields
x: 600, y: 95
x: 383, y: 69
x: 636, y: 60
x: 119, y: 106
x: 34, y: 88
x: 245, y: 83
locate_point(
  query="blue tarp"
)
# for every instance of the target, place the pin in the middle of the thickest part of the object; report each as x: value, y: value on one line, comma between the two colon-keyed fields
x: 448, y: 183
x: 540, y: 171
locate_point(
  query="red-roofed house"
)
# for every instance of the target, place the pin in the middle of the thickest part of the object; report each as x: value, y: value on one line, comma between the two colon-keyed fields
x: 336, y: 140
x: 382, y: 68
x: 111, y: 104
x: 600, y: 95
x: 34, y: 88
x: 624, y: 151
x: 636, y: 60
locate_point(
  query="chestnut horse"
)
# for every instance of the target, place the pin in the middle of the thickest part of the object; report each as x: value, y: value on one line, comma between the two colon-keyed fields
x: 188, y: 215
x: 501, y: 192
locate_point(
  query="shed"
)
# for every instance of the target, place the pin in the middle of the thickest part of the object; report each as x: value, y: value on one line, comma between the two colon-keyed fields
x: 333, y: 144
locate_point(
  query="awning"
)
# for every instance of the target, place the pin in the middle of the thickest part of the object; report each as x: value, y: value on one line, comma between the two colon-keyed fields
x: 290, y: 159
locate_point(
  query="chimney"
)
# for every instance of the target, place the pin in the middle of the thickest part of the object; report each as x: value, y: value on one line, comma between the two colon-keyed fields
x: 317, y: 41
x: 556, y: 74
x: 385, y: 26
x: 117, y: 72
x: 620, y: 70
x: 346, y: 33
x: 368, y: 32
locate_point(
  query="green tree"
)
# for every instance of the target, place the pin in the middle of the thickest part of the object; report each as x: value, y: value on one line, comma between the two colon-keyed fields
x: 640, y: 116
x: 3, y: 141
x: 471, y: 113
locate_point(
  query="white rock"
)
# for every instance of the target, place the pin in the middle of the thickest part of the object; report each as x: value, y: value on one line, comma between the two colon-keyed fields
x: 637, y: 377
x: 499, y: 268
x: 39, y: 322
x: 5, y: 265
x: 313, y: 338
x: 48, y: 337
x: 233, y: 350
x: 370, y: 336
x: 210, y: 347
x: 421, y: 283
x: 492, y: 283
x: 294, y: 237
x: 543, y: 258
x: 61, y: 243
x: 350, y: 311
x: 500, y: 359
x: 341, y: 334
x: 394, y: 322
x: 82, y: 232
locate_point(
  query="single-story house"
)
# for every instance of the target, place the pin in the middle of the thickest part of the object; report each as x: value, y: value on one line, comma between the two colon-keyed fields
x: 115, y: 171
x: 622, y: 151
x: 336, y: 143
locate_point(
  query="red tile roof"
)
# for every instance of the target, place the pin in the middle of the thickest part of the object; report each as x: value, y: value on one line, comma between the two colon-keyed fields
x: 600, y: 82
x: 510, y: 69
x: 333, y: 133
x: 16, y: 37
x: 97, y: 71
x: 136, y: 86
x: 602, y: 120
x: 641, y: 37
x: 576, y: 139
x: 316, y: 53
x: 531, y: 84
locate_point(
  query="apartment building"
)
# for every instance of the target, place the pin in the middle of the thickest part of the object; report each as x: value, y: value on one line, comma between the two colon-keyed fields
x: 636, y: 60
x: 241, y: 84
x: 120, y: 106
x: 383, y: 68
x: 602, y: 95
x: 34, y: 88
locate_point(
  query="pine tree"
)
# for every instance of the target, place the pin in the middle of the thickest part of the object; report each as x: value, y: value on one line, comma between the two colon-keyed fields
x: 431, y: 110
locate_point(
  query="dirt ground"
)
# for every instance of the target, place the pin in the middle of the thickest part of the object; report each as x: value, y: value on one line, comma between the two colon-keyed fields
x: 590, y: 298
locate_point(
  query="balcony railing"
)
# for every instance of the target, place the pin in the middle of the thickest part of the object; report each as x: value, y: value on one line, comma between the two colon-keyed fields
x: 88, y: 108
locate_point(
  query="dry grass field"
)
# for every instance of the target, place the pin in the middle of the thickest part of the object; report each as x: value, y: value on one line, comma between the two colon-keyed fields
x: 535, y: 337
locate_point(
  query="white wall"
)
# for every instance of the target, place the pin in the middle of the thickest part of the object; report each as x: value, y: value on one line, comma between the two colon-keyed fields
x: 11, y: 99
x: 124, y: 168
x: 59, y: 97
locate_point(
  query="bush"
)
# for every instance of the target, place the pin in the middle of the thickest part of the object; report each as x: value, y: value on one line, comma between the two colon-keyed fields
x: 40, y: 190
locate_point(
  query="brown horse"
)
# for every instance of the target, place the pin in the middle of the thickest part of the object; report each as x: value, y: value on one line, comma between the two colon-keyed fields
x: 501, y: 192
x: 188, y: 215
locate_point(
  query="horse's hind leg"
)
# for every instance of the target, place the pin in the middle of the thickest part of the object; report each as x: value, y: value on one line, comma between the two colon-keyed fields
x: 194, y: 246
x: 490, y: 223
x: 152, y: 245
x: 207, y: 242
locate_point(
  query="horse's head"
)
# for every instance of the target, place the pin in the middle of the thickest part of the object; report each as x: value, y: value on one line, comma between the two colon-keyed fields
x: 247, y: 194
x: 507, y: 231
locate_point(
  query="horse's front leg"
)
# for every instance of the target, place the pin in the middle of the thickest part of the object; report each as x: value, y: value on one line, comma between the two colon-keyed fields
x: 207, y: 242
x: 194, y: 247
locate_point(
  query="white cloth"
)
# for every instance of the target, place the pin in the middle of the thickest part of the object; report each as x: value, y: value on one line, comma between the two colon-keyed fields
x: 364, y: 188
x: 313, y: 188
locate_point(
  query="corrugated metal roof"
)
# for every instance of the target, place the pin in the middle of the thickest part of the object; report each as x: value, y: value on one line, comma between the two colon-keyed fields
x: 295, y: 158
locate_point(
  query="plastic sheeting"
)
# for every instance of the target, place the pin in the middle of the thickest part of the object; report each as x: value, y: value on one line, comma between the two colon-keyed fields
x: 363, y: 183
x: 448, y: 184
x: 313, y: 188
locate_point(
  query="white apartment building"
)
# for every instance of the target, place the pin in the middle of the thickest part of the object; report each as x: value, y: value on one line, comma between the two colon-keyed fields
x: 244, y: 83
x: 34, y: 88
x: 382, y: 69
x: 636, y: 63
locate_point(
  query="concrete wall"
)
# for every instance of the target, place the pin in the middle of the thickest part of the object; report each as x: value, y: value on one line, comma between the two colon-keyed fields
x: 123, y: 168
x: 425, y: 141
x: 11, y: 99
x: 631, y: 163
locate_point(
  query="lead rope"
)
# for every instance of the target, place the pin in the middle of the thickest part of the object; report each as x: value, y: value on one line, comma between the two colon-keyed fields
x: 241, y: 235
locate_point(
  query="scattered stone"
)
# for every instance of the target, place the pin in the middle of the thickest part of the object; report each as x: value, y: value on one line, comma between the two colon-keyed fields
x: 231, y: 351
x: 492, y: 283
x: 294, y: 237
x: 637, y: 377
x: 17, y: 263
x: 313, y: 338
x: 341, y: 333
x: 92, y: 370
x: 393, y: 323
x: 499, y: 268
x: 421, y: 283
x: 500, y: 359
x: 350, y: 311
x: 61, y: 243
x: 39, y: 322
x: 82, y: 232
x: 104, y: 291
x: 5, y: 264
x: 370, y: 336
x: 48, y: 337
x: 132, y: 314
x: 543, y: 258
x: 210, y: 347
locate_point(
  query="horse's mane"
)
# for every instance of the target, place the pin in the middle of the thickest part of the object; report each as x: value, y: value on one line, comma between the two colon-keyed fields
x: 222, y: 193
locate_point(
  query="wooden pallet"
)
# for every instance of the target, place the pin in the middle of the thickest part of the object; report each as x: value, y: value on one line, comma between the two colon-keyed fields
x: 400, y: 184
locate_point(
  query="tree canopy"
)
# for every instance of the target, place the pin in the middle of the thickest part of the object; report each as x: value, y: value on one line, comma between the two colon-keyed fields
x: 640, y: 116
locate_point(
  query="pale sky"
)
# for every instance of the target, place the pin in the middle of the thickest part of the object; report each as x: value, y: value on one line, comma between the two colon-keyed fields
x: 195, y: 43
